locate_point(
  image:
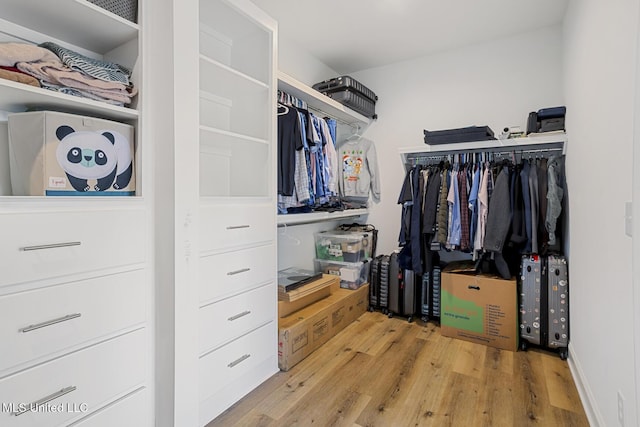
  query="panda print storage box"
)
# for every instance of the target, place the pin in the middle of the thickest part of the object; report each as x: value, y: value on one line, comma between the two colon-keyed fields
x: 60, y: 154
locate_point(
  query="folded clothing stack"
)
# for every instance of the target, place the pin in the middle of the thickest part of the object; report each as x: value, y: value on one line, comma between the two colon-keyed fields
x: 56, y: 68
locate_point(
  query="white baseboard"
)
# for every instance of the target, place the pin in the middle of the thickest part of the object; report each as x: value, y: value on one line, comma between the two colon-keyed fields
x: 588, y: 402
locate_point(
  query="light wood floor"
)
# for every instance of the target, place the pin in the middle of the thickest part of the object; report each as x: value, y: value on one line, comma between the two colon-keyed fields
x: 388, y: 372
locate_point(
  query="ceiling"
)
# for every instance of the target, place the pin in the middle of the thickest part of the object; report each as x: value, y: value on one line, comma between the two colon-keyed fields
x: 355, y: 35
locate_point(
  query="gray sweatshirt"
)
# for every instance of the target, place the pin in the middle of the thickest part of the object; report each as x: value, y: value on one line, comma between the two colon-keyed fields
x: 358, y: 170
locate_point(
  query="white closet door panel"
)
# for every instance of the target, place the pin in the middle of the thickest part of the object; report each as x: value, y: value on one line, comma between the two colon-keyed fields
x: 231, y: 226
x: 48, y: 320
x: 227, y: 319
x: 220, y: 368
x: 92, y: 377
x: 132, y: 411
x: 233, y: 272
x: 43, y: 244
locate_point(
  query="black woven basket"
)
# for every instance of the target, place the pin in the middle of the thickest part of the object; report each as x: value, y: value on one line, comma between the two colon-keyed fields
x: 128, y: 9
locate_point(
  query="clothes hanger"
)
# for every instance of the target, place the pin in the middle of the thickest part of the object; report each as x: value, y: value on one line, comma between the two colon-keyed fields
x: 289, y: 237
x: 356, y: 135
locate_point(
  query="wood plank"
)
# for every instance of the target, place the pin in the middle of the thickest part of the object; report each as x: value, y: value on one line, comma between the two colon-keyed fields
x: 469, y: 359
x: 388, y: 372
x: 559, y: 380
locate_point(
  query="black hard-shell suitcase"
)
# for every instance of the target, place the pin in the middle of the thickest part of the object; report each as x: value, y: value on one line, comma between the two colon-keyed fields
x: 401, y: 290
x: 379, y: 283
x: 348, y: 91
x: 544, y: 303
x: 343, y: 83
x: 430, y: 295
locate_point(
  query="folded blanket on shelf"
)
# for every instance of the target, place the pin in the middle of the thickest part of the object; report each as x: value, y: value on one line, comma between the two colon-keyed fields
x: 79, y: 93
x: 12, y: 53
x: 102, y: 70
x: 60, y: 75
x: 18, y: 76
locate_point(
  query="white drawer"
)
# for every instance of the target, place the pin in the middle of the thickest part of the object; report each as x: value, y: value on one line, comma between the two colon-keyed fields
x: 236, y: 225
x: 93, y: 377
x: 222, y: 367
x: 230, y: 318
x: 131, y: 411
x: 51, y: 244
x: 233, y: 272
x: 63, y: 316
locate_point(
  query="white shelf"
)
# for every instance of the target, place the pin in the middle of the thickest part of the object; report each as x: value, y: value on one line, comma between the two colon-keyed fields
x: 318, y: 101
x: 542, y: 141
x: 18, y: 97
x: 75, y: 21
x: 308, y: 218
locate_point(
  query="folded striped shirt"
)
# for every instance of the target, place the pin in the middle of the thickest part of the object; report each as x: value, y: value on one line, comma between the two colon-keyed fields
x: 102, y: 70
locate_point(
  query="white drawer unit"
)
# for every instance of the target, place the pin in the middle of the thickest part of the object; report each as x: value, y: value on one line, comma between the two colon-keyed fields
x: 230, y: 273
x: 131, y: 411
x: 68, y: 388
x: 229, y: 226
x: 48, y: 320
x: 226, y: 368
x: 39, y: 245
x: 227, y: 319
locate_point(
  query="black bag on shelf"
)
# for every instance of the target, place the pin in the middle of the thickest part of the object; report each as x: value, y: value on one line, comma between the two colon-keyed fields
x: 466, y: 134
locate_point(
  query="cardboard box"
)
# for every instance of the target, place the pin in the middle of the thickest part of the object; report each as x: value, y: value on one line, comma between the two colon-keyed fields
x: 60, y: 154
x: 303, y: 331
x: 299, y: 298
x: 480, y: 308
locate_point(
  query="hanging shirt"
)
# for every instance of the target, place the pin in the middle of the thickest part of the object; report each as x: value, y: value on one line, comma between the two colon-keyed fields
x: 454, y: 212
x: 331, y: 156
x: 473, y: 205
x: 554, y: 196
x: 289, y: 140
x: 483, y: 209
x: 524, y: 176
x: 499, y: 214
x: 464, y: 210
x: 443, y: 209
x: 359, y: 174
x: 533, y: 195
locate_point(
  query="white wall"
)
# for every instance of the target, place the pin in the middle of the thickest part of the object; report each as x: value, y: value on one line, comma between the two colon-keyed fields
x: 297, y: 62
x: 495, y: 84
x: 600, y: 65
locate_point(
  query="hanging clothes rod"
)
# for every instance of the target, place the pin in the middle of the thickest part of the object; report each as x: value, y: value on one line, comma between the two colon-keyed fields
x: 421, y: 157
x: 317, y: 111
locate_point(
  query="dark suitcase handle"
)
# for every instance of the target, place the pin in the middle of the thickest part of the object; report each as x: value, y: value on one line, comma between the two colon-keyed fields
x: 476, y: 288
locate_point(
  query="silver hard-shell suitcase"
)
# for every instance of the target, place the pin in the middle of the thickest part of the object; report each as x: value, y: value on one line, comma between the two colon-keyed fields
x: 531, y: 287
x: 544, y: 303
x: 558, y: 300
x: 401, y: 289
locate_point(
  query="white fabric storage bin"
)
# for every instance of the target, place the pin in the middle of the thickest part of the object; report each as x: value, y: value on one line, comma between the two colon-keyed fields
x: 60, y: 154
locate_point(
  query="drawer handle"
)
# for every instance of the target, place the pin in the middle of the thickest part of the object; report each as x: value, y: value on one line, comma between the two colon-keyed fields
x: 238, y: 361
x: 239, y: 315
x: 236, y: 227
x: 34, y: 405
x: 50, y: 322
x: 51, y: 246
x: 242, y: 270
